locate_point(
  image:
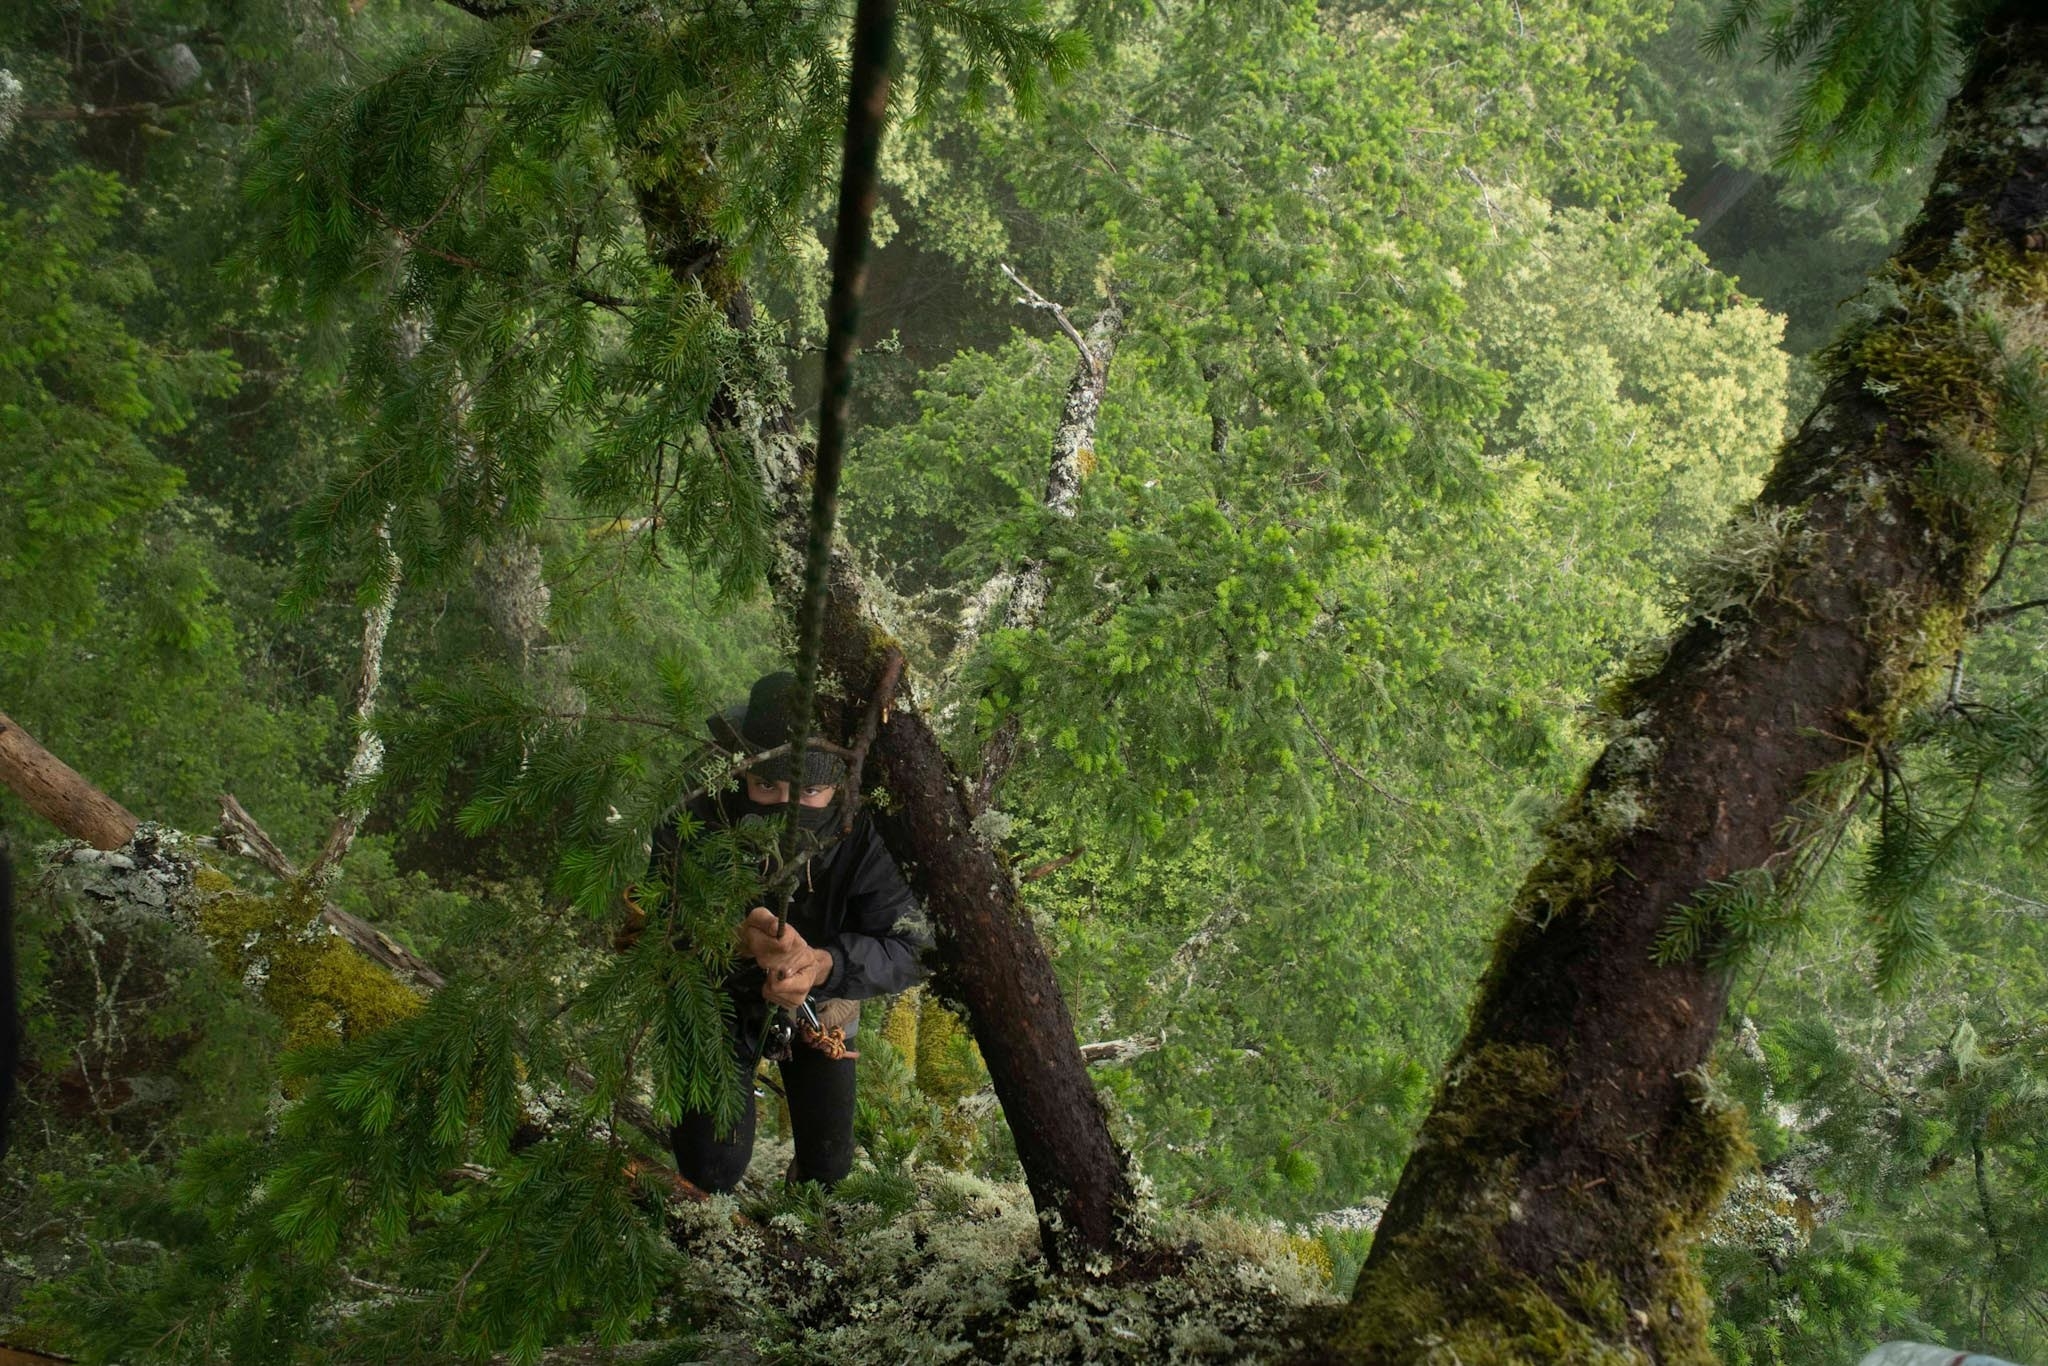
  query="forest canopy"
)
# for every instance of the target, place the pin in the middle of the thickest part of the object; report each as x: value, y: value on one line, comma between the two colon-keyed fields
x: 1439, y: 606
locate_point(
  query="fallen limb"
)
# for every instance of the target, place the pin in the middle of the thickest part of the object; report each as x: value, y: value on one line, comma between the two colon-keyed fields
x: 55, y: 791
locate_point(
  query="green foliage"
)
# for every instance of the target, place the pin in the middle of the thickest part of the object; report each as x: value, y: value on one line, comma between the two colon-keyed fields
x: 1876, y: 73
x: 82, y: 400
x: 1907, y: 1172
x: 402, y: 1153
x: 1424, y: 404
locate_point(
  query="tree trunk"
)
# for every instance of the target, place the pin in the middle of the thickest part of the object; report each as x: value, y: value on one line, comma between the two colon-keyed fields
x: 1574, y: 1150
x: 53, y: 790
x: 990, y: 955
x: 993, y: 961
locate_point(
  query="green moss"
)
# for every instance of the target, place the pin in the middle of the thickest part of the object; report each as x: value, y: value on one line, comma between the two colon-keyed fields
x: 209, y: 880
x: 1579, y: 843
x: 949, y: 1065
x: 1444, y: 1292
x: 317, y: 985
x: 1927, y: 356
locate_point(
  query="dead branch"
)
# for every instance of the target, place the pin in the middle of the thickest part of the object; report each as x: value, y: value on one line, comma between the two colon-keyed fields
x: 1186, y: 959
x: 368, y: 759
x: 1112, y: 1051
x: 1033, y: 299
x: 1050, y: 866
x: 1073, y: 456
x: 58, y: 793
x: 240, y: 834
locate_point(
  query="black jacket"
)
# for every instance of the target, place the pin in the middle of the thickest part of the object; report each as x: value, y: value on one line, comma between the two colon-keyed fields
x: 853, y: 903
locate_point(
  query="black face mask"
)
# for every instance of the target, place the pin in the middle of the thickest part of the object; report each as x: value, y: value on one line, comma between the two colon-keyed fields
x: 816, y: 819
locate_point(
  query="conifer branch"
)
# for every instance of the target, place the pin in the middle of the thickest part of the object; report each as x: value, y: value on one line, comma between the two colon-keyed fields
x: 242, y: 835
x: 1339, y: 764
x: 409, y: 238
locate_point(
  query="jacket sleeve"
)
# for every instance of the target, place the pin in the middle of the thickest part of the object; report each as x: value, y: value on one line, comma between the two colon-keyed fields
x: 883, y: 937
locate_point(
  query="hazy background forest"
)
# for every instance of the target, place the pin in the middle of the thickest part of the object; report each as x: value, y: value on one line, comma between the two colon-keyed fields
x: 1444, y: 340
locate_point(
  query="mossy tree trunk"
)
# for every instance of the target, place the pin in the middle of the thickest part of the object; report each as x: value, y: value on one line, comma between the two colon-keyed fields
x: 1573, y: 1151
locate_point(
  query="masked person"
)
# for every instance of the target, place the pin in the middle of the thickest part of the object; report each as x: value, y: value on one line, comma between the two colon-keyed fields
x: 853, y: 931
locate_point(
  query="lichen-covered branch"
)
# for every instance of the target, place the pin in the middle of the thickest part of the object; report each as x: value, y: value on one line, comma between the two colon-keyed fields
x: 240, y: 834
x: 1576, y: 1147
x: 1073, y: 457
x: 366, y: 760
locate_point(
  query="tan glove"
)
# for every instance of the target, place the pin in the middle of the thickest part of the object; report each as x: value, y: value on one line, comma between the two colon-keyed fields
x: 793, y: 967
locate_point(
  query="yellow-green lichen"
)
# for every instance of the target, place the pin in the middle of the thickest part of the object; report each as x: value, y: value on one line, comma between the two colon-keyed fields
x: 949, y: 1067
x: 319, y: 987
x: 1932, y: 354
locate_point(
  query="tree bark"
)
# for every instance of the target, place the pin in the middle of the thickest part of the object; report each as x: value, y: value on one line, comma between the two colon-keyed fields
x: 54, y: 790
x: 1574, y: 1150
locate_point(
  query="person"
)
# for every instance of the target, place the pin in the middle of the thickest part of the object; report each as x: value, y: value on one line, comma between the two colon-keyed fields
x: 853, y: 931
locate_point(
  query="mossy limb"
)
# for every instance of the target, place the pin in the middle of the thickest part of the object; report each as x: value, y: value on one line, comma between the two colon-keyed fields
x: 317, y: 985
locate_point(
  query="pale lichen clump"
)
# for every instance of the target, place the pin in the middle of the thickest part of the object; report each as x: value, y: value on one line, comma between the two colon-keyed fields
x: 1581, y: 839
x: 1753, y: 554
x: 958, y: 1276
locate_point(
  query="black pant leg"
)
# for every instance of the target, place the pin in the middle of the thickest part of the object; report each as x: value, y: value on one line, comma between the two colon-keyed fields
x: 820, y: 1093
x: 707, y: 1161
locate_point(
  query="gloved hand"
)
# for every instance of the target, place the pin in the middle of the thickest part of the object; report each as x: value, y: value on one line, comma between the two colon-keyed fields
x: 794, y: 969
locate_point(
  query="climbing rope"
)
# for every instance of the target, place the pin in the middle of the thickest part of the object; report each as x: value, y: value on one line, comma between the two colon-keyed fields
x: 831, y: 1042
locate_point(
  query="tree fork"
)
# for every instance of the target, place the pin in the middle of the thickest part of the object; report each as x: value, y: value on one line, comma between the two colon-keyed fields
x: 1575, y: 1150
